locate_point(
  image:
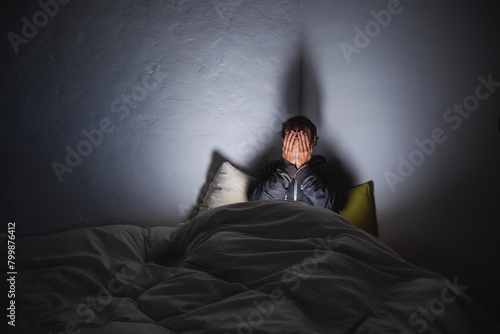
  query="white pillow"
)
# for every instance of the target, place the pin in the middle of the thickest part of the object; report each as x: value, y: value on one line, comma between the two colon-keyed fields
x: 230, y: 185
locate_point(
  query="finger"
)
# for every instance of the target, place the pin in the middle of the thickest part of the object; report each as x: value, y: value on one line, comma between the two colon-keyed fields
x: 306, y: 139
x: 302, y: 142
x: 306, y: 142
x: 285, y: 139
x: 291, y: 139
x: 288, y: 140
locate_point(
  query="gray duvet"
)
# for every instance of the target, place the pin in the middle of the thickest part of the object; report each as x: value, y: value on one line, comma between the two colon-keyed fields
x: 254, y: 267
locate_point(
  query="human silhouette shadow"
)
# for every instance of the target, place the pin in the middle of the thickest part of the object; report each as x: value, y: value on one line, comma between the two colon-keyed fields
x: 302, y: 96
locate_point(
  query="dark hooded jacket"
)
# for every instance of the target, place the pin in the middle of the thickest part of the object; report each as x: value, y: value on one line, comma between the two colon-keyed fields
x: 316, y: 183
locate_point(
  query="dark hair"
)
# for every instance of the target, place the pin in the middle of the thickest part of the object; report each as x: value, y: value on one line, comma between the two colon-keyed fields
x: 299, y: 121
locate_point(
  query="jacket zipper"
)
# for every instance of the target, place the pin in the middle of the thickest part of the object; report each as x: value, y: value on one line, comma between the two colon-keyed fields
x: 294, y: 190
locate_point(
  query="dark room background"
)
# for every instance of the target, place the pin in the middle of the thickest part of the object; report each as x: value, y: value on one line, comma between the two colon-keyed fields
x: 120, y: 111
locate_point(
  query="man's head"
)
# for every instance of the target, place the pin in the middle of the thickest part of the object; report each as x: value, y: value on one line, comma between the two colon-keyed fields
x: 298, y: 123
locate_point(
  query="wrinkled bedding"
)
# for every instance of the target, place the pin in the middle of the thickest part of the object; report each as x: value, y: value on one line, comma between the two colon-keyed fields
x: 254, y: 267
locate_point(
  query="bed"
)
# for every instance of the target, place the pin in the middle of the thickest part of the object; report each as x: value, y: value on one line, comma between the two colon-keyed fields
x: 243, y: 267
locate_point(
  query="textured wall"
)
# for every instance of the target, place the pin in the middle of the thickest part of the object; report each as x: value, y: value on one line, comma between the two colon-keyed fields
x: 120, y: 111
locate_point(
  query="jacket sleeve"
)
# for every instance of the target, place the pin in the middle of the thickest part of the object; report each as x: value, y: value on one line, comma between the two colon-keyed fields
x: 323, y: 186
x: 273, y: 181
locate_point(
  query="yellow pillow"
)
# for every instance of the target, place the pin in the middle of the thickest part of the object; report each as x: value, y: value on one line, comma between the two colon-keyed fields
x: 359, y: 207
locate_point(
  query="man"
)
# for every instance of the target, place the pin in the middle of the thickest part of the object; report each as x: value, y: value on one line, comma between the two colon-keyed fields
x: 299, y: 175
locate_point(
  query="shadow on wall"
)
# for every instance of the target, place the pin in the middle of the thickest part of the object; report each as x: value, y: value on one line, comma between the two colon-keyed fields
x: 304, y: 91
x: 302, y: 96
